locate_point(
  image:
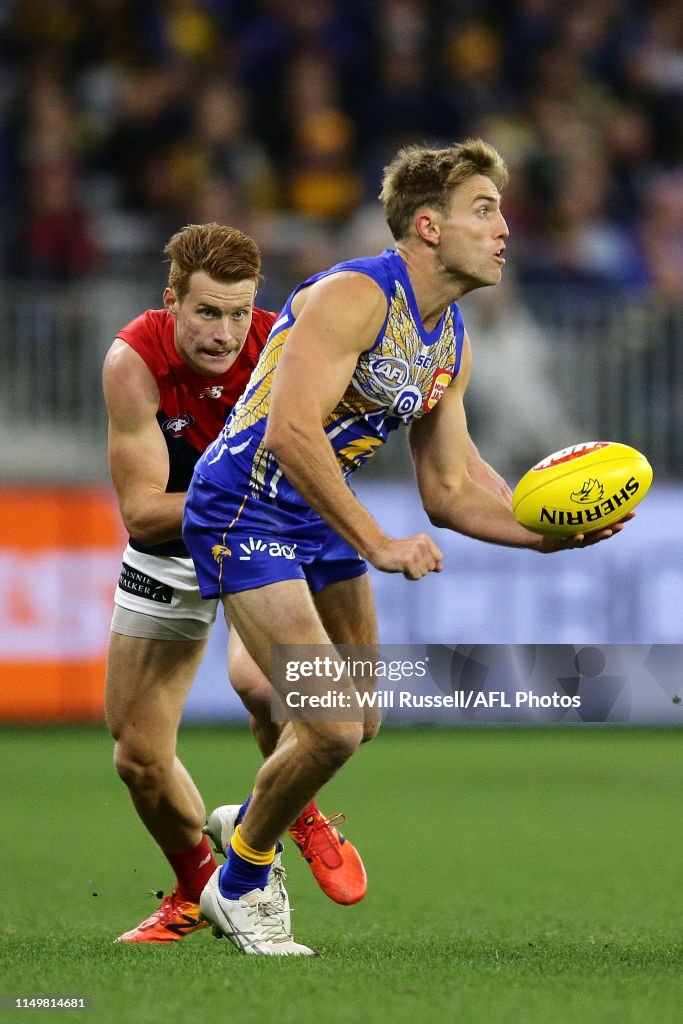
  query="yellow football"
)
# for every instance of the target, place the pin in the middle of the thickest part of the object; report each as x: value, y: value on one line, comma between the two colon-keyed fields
x: 581, y: 488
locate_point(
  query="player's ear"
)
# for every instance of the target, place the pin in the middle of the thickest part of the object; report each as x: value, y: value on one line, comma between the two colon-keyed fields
x: 171, y: 300
x: 427, y: 226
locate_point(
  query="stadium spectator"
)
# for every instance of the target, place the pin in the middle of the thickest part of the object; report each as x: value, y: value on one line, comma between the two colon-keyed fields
x: 282, y: 116
x: 322, y: 92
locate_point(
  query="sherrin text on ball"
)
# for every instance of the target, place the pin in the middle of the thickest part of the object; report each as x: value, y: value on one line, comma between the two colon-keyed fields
x: 582, y: 488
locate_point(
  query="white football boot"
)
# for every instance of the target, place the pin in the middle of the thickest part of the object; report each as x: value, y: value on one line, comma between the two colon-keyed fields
x: 219, y: 828
x: 253, y: 923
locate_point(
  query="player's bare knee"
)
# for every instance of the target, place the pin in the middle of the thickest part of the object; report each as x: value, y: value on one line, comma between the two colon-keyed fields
x: 333, y: 746
x: 138, y: 770
x: 255, y: 694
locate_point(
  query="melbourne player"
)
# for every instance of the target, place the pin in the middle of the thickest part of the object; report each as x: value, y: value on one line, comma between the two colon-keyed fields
x: 170, y: 379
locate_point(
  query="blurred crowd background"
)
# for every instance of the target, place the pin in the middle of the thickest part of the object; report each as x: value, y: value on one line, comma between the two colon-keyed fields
x: 122, y: 120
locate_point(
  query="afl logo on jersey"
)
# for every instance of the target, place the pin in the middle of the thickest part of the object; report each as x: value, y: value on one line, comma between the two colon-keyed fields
x: 390, y: 372
x: 176, y: 424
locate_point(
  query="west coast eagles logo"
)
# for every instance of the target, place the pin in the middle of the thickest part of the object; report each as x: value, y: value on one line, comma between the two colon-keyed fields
x: 219, y: 552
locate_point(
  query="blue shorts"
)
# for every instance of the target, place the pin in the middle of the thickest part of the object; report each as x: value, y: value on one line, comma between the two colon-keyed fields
x: 241, y: 543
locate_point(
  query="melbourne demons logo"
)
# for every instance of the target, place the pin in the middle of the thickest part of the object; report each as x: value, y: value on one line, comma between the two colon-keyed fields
x: 176, y: 424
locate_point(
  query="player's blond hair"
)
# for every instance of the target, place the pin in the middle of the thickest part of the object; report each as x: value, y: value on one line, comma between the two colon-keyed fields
x: 224, y: 253
x: 418, y: 176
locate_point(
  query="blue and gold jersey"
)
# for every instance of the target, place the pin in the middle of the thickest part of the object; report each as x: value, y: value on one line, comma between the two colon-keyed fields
x: 400, y: 378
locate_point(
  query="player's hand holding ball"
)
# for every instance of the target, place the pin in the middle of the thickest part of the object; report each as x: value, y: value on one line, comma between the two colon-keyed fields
x: 582, y: 494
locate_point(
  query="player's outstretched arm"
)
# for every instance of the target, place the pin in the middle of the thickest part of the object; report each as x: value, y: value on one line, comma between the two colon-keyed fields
x: 443, y: 453
x: 138, y: 458
x: 485, y: 475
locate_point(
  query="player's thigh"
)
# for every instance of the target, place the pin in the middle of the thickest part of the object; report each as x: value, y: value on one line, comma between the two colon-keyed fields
x: 284, y: 613
x: 147, y: 684
x: 278, y: 613
x: 347, y: 611
x: 158, y: 637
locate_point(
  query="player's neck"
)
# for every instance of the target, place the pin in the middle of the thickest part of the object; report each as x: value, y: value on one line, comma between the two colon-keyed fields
x: 434, y: 291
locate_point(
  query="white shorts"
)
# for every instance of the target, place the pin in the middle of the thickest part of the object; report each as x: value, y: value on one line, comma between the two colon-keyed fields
x: 158, y: 597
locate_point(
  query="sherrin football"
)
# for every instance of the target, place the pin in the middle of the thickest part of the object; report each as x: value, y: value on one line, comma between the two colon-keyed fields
x: 581, y: 488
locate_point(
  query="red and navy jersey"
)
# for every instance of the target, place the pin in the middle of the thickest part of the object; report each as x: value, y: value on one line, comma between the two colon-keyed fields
x: 192, y: 408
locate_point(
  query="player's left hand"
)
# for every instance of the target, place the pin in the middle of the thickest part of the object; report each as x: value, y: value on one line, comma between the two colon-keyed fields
x: 548, y: 545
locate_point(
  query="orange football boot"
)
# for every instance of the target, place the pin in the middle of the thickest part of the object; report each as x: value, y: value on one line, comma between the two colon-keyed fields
x: 335, y: 862
x: 174, y: 919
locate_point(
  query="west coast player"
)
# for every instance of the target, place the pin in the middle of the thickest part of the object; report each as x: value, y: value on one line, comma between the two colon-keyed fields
x: 358, y: 350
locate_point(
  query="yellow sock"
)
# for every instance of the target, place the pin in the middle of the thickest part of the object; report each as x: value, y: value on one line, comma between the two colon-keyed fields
x: 247, y: 852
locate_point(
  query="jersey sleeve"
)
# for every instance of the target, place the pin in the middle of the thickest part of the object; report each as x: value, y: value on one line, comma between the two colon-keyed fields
x: 144, y: 334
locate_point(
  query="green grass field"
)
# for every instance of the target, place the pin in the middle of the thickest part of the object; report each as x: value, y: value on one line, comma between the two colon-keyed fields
x: 521, y: 876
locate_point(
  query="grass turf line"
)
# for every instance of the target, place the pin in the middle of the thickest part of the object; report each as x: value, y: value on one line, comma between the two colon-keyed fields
x: 515, y: 875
